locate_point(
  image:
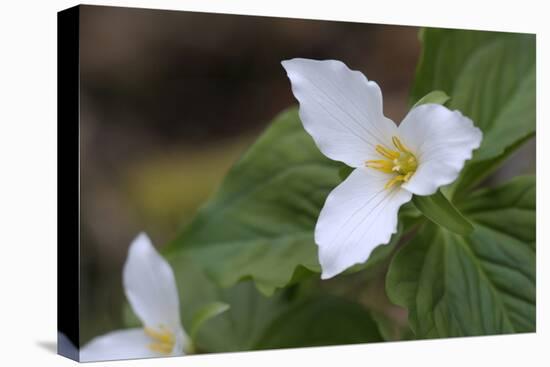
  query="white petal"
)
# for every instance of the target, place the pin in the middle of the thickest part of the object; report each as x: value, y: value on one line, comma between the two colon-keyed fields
x: 150, y: 286
x: 358, y: 215
x: 340, y: 109
x: 442, y: 141
x: 120, y: 344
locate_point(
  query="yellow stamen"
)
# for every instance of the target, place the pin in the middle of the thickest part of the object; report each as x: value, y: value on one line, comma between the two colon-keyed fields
x: 408, y: 177
x: 163, y: 340
x: 160, y: 348
x: 401, y: 162
x: 386, y: 152
x: 393, y: 181
x: 395, y: 140
x: 381, y: 165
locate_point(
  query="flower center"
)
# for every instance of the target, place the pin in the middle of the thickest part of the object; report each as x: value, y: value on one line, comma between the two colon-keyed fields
x: 401, y: 162
x: 163, y: 340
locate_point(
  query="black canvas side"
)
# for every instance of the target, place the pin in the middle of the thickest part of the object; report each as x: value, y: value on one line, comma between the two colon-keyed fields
x: 68, y: 182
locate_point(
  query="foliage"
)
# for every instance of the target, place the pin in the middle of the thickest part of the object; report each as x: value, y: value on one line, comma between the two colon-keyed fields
x: 481, y: 284
x: 484, y: 283
x: 295, y: 317
x: 490, y: 77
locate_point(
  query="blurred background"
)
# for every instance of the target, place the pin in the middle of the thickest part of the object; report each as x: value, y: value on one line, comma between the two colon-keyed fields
x: 169, y: 100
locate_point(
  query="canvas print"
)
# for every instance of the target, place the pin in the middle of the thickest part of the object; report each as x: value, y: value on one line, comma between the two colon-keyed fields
x: 256, y: 183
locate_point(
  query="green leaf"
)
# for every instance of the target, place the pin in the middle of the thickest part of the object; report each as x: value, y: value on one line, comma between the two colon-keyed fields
x: 437, y: 97
x: 345, y: 171
x: 291, y: 318
x: 480, y: 285
x: 441, y: 211
x: 206, y: 313
x: 320, y: 321
x: 477, y: 171
x: 491, y: 77
x: 260, y: 223
x: 516, y: 201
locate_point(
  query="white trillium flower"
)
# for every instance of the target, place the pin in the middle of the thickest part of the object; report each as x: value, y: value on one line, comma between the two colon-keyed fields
x: 151, y: 289
x: 342, y: 111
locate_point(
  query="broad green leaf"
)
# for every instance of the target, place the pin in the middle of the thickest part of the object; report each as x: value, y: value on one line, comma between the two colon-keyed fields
x: 320, y: 321
x: 491, y: 78
x: 480, y: 285
x: 437, y: 97
x: 260, y: 223
x: 515, y: 201
x: 206, y: 313
x: 288, y: 319
x: 439, y: 210
x: 477, y: 171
